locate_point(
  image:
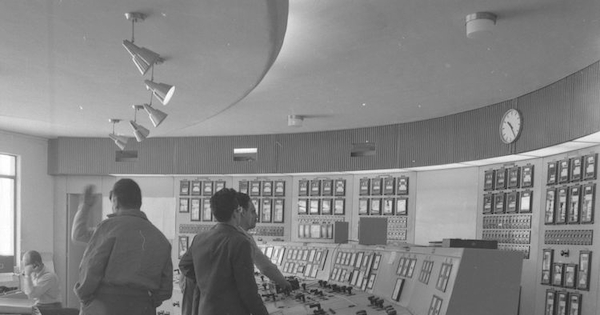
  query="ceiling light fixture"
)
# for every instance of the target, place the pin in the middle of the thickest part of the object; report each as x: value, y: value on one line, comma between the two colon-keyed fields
x: 139, y: 132
x: 163, y: 92
x: 156, y: 116
x: 143, y: 58
x: 295, y: 120
x: 480, y: 24
x: 120, y: 141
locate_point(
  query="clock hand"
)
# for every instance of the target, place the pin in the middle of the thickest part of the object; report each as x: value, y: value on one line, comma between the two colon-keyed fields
x: 511, y: 128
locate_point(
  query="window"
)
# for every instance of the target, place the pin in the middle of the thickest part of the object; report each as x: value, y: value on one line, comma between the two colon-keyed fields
x: 7, y: 212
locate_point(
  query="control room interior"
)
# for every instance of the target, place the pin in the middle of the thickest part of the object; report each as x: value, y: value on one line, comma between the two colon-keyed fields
x: 455, y: 139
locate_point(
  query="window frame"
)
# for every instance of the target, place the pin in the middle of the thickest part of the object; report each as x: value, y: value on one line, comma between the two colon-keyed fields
x: 14, y: 179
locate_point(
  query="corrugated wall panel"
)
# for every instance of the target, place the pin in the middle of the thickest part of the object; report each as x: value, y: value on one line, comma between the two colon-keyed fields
x: 80, y: 156
x: 308, y: 152
x: 546, y: 117
x: 385, y: 139
x: 476, y: 133
x: 91, y: 156
x: 567, y: 109
x: 155, y: 154
x: 420, y: 138
x: 330, y: 151
x: 214, y: 155
x: 407, y: 154
x: 585, y: 114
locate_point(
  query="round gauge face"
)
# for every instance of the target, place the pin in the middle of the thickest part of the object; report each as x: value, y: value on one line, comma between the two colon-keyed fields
x: 510, y: 126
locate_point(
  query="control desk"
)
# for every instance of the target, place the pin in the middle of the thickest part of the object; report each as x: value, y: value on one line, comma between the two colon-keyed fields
x: 320, y: 297
x: 401, y: 280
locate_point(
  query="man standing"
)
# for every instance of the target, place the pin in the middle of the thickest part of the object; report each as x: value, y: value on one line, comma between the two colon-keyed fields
x: 248, y: 218
x: 126, y: 268
x: 39, y: 283
x: 221, y: 262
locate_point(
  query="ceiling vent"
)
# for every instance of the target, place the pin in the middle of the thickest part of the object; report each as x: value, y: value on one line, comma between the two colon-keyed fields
x: 126, y: 156
x: 245, y: 154
x: 362, y: 149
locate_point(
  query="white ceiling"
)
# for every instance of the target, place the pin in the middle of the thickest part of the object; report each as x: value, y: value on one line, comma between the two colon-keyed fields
x: 343, y: 63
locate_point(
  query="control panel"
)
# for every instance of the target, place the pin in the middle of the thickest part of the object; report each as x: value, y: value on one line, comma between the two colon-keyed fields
x: 359, y: 279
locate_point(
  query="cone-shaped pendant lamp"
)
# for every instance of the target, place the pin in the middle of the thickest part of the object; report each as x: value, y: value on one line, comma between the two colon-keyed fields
x: 120, y: 141
x: 156, y: 116
x: 143, y: 58
x: 140, y: 132
x: 163, y: 92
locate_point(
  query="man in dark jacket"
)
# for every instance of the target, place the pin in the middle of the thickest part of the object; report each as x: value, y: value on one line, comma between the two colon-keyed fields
x: 221, y: 262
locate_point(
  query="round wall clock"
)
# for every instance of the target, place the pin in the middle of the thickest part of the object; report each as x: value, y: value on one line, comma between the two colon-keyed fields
x: 510, y: 126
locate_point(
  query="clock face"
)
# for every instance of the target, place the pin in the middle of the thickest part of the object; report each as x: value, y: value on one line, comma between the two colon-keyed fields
x: 510, y: 126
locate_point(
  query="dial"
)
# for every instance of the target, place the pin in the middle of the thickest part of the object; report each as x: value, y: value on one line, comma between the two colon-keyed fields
x: 510, y: 126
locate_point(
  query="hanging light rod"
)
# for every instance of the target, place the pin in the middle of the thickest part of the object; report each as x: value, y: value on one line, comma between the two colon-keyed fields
x: 143, y: 58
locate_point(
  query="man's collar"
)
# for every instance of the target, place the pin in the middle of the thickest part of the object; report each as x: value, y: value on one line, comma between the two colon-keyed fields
x: 227, y: 223
x: 129, y: 212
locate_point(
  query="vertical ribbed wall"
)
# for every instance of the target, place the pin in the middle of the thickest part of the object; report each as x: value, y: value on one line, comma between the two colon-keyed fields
x: 567, y: 109
x: 546, y: 116
x: 585, y: 113
x: 214, y: 155
x: 330, y: 151
x: 470, y: 135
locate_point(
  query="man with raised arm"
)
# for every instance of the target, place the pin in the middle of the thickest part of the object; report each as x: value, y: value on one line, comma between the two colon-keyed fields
x: 126, y: 268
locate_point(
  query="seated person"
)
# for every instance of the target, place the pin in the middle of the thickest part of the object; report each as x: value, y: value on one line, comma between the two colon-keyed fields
x: 40, y: 284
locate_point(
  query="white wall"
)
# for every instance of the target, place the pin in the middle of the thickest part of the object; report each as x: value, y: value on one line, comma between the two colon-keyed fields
x: 36, y: 211
x: 446, y: 205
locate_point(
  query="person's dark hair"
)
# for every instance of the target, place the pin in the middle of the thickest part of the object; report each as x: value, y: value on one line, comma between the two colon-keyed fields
x: 243, y: 200
x: 128, y: 193
x: 34, y: 257
x: 223, y: 203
